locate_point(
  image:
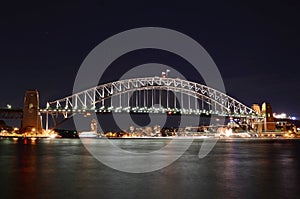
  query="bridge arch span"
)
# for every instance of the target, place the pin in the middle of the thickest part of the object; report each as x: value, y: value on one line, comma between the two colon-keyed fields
x: 99, y: 97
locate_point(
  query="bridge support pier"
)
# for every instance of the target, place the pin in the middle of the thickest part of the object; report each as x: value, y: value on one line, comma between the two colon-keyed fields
x: 31, y: 122
x: 269, y: 123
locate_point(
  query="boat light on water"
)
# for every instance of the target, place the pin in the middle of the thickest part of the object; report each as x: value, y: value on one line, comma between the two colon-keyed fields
x: 88, y: 134
x: 52, y: 136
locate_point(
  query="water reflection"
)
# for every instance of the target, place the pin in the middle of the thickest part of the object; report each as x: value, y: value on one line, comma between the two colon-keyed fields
x: 62, y: 168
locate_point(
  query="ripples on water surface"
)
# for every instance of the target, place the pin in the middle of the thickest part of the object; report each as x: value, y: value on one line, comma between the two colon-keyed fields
x: 63, y: 168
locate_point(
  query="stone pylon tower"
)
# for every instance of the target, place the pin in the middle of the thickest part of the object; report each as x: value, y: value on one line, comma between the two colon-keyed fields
x: 31, y: 117
x: 269, y: 123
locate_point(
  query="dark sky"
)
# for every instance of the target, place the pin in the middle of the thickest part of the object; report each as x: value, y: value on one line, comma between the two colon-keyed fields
x: 255, y: 44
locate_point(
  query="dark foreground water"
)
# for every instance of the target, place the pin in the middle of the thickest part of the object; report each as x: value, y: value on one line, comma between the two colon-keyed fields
x: 63, y: 168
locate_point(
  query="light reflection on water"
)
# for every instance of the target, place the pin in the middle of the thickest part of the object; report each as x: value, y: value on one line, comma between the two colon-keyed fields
x: 62, y: 168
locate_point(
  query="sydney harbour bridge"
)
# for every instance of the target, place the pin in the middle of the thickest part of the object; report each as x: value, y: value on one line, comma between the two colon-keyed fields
x: 149, y: 95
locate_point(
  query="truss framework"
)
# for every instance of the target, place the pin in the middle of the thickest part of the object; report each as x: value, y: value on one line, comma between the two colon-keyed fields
x: 94, y: 99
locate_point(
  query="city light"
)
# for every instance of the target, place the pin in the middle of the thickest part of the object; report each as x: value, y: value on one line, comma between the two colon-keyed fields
x: 280, y: 116
x: 283, y: 116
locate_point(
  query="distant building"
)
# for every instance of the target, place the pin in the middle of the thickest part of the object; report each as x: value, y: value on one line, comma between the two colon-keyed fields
x: 94, y: 127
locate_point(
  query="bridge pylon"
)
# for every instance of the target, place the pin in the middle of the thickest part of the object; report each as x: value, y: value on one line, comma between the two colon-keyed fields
x: 269, y: 122
x: 31, y: 121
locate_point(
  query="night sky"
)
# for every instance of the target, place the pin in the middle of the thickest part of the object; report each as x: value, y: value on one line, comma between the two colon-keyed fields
x: 255, y: 44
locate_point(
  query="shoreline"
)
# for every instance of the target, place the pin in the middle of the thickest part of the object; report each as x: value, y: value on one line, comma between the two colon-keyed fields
x: 230, y: 139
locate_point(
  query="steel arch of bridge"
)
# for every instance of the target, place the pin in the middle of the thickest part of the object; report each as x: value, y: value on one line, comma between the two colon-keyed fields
x: 94, y: 99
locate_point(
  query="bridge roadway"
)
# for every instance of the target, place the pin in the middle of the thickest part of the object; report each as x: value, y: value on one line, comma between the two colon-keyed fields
x: 6, y: 113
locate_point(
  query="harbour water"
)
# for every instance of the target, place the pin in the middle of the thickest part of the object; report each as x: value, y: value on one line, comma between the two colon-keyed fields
x: 235, y: 168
